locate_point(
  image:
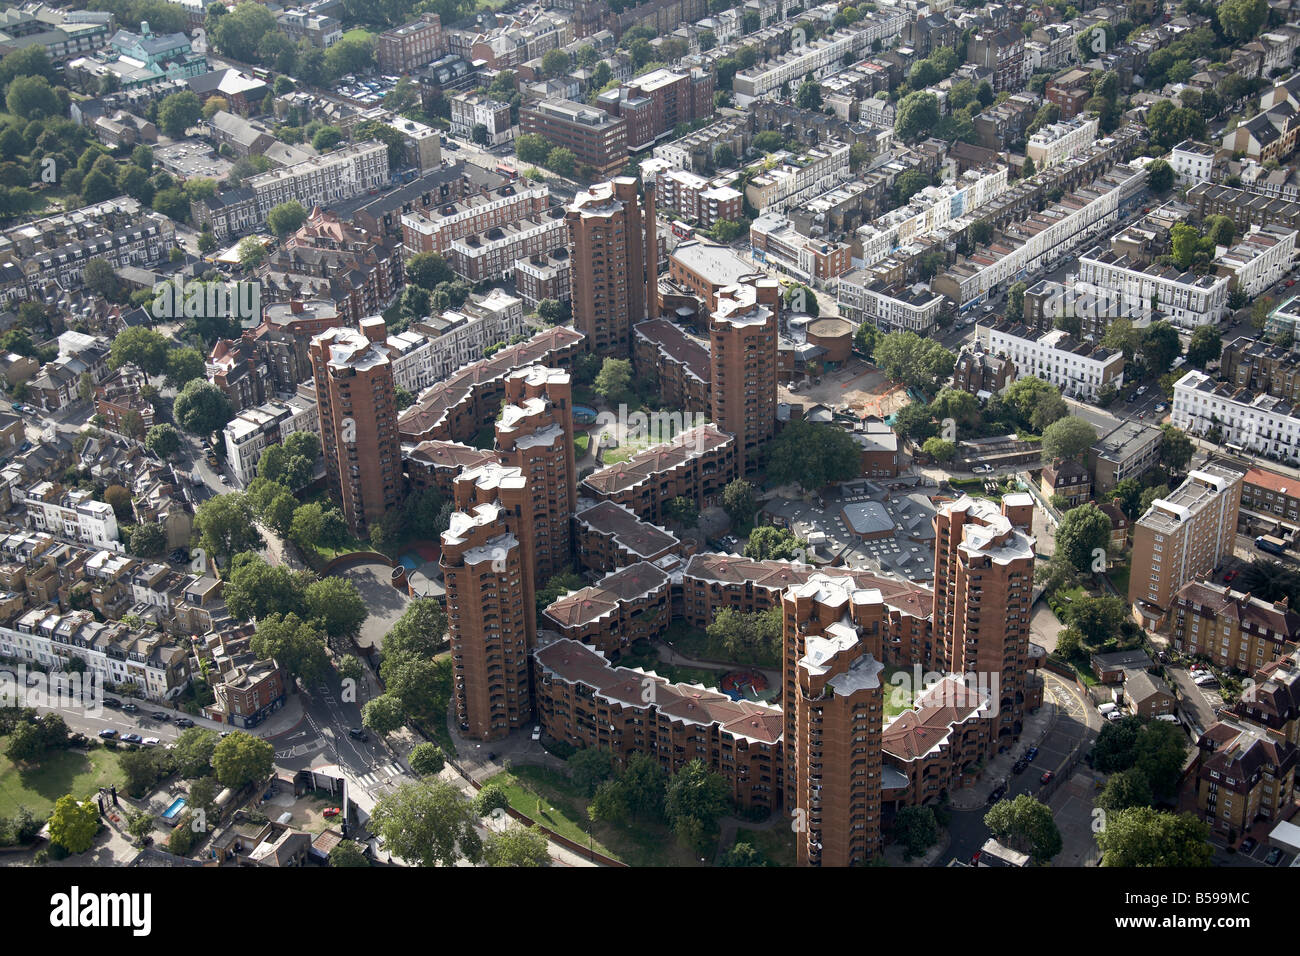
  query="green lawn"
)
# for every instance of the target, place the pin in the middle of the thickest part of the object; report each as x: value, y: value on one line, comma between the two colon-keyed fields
x: 581, y: 441
x: 1119, y: 576
x: 897, y: 697
x: 695, y: 642
x: 776, y: 844
x: 548, y: 797
x: 60, y: 773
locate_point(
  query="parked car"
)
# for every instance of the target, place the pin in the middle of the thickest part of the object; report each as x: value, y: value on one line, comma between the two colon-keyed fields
x: 151, y: 741
x: 112, y: 702
x: 1227, y: 578
x: 131, y: 708
x: 1031, y: 753
x: 1248, y: 844
x: 108, y: 734
x: 1046, y: 777
x: 132, y: 739
x: 160, y: 715
x: 1162, y: 407
x: 331, y: 812
x: 998, y: 792
x: 184, y: 722
x: 537, y: 732
x: 1020, y: 765
x: 1274, y: 856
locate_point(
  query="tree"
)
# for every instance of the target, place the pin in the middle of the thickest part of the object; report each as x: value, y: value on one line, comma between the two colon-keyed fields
x: 561, y: 160
x: 643, y: 782
x: 286, y: 218
x: 1160, y: 176
x: 1160, y: 345
x: 73, y: 824
x: 428, y: 270
x: 740, y: 502
x: 100, y: 277
x: 1241, y: 20
x: 384, y: 714
x: 140, y: 823
x: 1128, y: 788
x: 917, y: 114
x: 490, y: 799
x: 1176, y: 448
x: 479, y: 134
x: 239, y: 31
x: 297, y: 645
x: 201, y: 408
x: 255, y: 589
x: 1068, y: 438
x: 809, y: 96
x: 26, y: 743
x: 614, y: 381
x: 553, y: 311
x: 241, y: 759
x: 32, y: 98
x: 939, y: 449
x: 348, y: 853
x: 1143, y: 836
x: 769, y: 543
x: 251, y: 252
x: 908, y: 184
x: 141, y: 347
x: 1097, y: 619
x: 336, y: 603
x: 1205, y: 347
x: 427, y: 823
x: 1025, y: 824
x: 912, y: 360
x: 178, y: 112
x: 326, y: 138
x: 1159, y: 752
x: 147, y: 540
x: 532, y: 148
x: 184, y: 365
x: 589, y: 768
x: 225, y: 525
x: 162, y: 441
x: 812, y: 455
x: 556, y: 62
x: 426, y: 759
x: 119, y: 498
x: 696, y: 797
x: 1016, y: 302
x: 916, y: 829
x: 193, y: 752
x: 1082, y: 533
x: 516, y: 846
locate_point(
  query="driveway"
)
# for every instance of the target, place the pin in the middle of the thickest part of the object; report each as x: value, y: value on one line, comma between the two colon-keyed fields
x: 1044, y: 628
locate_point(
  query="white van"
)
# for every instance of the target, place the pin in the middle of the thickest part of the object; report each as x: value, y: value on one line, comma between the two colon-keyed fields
x: 1107, y: 708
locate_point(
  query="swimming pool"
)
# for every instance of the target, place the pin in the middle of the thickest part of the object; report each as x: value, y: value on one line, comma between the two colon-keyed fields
x: 582, y: 415
x: 410, y: 561
x: 174, y: 809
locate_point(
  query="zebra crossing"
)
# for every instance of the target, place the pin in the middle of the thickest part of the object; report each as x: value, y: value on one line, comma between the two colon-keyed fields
x: 374, y: 778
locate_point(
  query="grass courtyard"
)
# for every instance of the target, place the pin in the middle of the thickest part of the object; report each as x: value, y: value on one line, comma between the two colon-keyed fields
x: 60, y: 772
x: 549, y: 798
